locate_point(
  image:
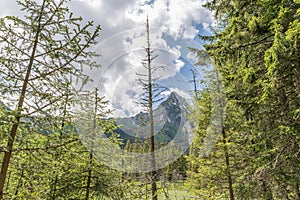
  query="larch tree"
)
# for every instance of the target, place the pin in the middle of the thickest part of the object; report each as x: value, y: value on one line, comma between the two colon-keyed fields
x: 38, y: 54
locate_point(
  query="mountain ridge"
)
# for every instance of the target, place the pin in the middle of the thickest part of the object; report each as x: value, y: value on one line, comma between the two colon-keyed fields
x: 168, y: 117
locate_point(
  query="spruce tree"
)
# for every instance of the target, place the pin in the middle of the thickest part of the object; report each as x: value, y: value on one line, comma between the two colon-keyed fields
x: 257, y: 52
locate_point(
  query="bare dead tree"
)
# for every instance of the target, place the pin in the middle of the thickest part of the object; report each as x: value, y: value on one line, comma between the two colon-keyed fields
x: 150, y: 97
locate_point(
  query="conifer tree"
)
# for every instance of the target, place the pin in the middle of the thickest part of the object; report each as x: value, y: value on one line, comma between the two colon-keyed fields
x: 151, y: 94
x: 37, y: 55
x: 256, y: 50
x: 148, y: 86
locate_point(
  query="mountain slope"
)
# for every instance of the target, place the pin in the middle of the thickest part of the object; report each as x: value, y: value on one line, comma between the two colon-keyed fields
x: 169, y: 119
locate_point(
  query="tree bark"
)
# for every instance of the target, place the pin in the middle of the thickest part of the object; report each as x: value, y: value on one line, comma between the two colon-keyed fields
x: 13, y: 132
x: 227, y: 160
x: 89, y: 178
x: 229, y: 177
x: 150, y: 103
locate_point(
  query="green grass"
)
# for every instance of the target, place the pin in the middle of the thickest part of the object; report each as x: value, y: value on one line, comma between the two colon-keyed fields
x: 176, y: 195
x: 176, y: 191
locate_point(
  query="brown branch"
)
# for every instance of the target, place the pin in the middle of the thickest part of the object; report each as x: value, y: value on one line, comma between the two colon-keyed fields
x: 72, y: 59
x: 252, y: 43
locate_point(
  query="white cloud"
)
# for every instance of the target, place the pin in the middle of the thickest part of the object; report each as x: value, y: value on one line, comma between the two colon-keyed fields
x: 8, y: 7
x: 175, y: 16
x: 192, y: 57
x: 181, y: 93
x: 122, y: 40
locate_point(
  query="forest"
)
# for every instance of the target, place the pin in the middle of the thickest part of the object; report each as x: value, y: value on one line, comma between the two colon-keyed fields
x: 244, y: 123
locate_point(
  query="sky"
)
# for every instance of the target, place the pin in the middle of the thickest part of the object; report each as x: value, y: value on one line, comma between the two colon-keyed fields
x: 174, y: 26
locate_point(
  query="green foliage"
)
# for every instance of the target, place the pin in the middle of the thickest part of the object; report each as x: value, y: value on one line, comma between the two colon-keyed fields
x: 256, y: 51
x: 42, y: 58
x: 256, y: 147
x: 58, y: 171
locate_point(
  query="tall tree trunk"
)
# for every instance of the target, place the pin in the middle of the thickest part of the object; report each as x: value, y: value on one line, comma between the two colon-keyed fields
x: 53, y: 188
x: 229, y: 177
x: 227, y: 160
x: 13, y: 132
x: 150, y: 103
x: 89, y: 178
x: 194, y: 81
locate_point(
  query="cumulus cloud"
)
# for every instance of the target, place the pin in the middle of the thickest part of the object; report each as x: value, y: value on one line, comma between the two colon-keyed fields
x: 180, y: 92
x: 175, y: 16
x: 122, y: 41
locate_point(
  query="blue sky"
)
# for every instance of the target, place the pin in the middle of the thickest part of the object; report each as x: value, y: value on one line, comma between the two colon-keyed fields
x: 174, y: 25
